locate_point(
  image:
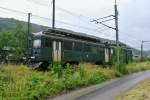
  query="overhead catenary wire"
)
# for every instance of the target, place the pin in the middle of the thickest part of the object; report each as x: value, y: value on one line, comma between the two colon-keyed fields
x: 105, y: 17
x: 21, y: 12
x: 79, y: 15
x: 67, y: 23
x: 16, y: 11
x: 12, y: 14
x: 62, y: 9
x: 78, y: 26
x: 13, y: 10
x: 38, y: 3
x: 107, y: 20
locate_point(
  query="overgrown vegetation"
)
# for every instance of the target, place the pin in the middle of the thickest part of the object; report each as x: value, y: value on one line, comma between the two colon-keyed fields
x: 13, y: 37
x: 14, y: 43
x: 19, y: 82
x: 122, y: 66
x: 138, y: 66
x: 22, y: 83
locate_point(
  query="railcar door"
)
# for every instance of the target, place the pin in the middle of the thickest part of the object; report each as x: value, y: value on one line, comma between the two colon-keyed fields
x: 56, y: 51
x: 106, y: 55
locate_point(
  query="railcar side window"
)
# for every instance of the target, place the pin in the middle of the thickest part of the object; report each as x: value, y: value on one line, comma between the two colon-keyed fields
x: 94, y: 49
x: 87, y: 48
x: 30, y: 43
x: 112, y: 51
x: 48, y: 43
x: 37, y: 43
x: 57, y: 45
x: 107, y: 51
x: 67, y: 45
x: 78, y: 46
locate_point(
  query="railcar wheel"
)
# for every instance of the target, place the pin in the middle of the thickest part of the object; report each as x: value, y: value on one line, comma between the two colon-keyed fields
x: 70, y: 64
x: 29, y: 63
x: 42, y: 66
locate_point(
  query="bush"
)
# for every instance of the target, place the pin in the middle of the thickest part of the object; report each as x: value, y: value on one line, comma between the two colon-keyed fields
x: 121, y: 67
x: 97, y: 77
x: 137, y: 67
x: 20, y: 82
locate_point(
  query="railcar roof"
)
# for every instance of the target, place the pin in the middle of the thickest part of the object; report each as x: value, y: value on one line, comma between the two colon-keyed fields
x: 65, y: 32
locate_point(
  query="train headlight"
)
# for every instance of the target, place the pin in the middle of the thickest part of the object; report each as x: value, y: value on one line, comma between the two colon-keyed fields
x: 32, y: 57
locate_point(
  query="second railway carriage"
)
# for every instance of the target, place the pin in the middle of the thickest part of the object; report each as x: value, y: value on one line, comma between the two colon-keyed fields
x: 65, y: 46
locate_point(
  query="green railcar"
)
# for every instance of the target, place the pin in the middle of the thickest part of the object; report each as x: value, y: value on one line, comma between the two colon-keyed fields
x: 68, y: 47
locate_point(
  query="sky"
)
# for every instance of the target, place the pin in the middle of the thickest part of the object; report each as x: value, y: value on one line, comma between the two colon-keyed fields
x: 76, y: 15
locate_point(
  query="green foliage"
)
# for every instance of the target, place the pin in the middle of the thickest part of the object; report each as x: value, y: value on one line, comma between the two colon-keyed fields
x: 57, y: 69
x: 21, y: 83
x: 121, y: 67
x: 97, y: 77
x: 20, y: 43
x: 15, y: 41
x: 9, y: 25
x: 137, y: 67
x: 13, y: 35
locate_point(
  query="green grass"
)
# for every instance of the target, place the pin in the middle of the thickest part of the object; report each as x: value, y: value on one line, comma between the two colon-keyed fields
x: 137, y: 67
x: 17, y: 82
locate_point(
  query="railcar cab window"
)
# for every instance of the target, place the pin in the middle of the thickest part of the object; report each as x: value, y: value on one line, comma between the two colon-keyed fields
x: 37, y: 43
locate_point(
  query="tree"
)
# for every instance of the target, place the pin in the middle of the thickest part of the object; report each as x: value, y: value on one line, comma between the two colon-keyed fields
x: 20, y: 43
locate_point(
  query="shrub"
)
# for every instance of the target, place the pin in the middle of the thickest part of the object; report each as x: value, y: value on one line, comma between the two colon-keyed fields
x: 121, y: 67
x: 20, y: 82
x: 97, y: 77
x: 136, y: 67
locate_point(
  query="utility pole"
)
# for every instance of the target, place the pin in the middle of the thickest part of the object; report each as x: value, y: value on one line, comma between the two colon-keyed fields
x: 142, y: 44
x: 117, y: 32
x: 142, y: 50
x: 99, y: 21
x: 53, y: 19
x: 29, y: 17
x: 28, y: 34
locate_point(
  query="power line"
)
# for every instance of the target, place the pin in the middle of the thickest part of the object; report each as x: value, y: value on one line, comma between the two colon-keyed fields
x: 129, y: 36
x: 104, y: 17
x: 79, y: 16
x: 36, y: 2
x: 105, y: 29
x: 68, y: 12
x: 107, y: 20
x: 62, y: 9
x: 16, y: 11
x: 87, y: 28
x: 72, y: 13
x: 62, y: 22
x: 12, y: 14
x: 13, y: 10
x: 20, y: 12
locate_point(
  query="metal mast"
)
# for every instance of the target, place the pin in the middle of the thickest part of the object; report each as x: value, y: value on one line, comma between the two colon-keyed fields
x: 142, y: 45
x: 117, y: 32
x: 142, y: 50
x: 28, y: 34
x: 98, y: 21
x: 53, y: 19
